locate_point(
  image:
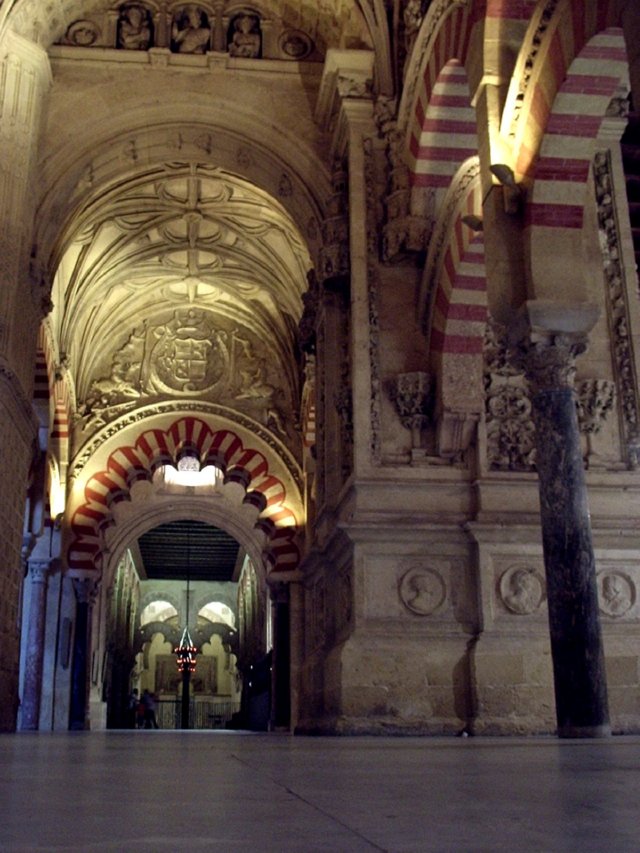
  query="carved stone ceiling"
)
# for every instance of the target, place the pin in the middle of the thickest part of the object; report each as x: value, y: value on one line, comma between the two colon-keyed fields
x: 332, y: 23
x: 183, y: 247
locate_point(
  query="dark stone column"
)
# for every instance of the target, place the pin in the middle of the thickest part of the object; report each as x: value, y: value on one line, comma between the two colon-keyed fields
x: 281, y: 707
x: 34, y: 652
x: 576, y: 640
x: 84, y: 589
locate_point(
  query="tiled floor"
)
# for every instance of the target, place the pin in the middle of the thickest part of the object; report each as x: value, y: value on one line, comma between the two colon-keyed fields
x: 196, y: 791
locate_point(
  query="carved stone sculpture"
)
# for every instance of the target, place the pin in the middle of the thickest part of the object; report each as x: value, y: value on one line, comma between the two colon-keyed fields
x: 245, y: 40
x: 422, y: 590
x: 617, y: 593
x: 521, y: 590
x: 190, y: 32
x: 134, y: 28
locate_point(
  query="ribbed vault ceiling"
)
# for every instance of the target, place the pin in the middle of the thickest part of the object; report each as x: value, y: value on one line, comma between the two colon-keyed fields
x: 183, y: 238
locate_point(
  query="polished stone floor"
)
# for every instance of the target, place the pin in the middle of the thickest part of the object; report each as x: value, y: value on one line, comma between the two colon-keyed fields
x: 222, y: 791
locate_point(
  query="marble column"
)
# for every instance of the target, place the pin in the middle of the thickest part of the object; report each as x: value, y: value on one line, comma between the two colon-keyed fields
x: 85, y: 591
x: 576, y: 640
x: 34, y: 653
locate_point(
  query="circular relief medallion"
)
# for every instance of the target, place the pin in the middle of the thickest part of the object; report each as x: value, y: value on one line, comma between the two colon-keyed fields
x: 295, y: 44
x: 522, y: 590
x: 422, y: 590
x: 83, y: 33
x: 616, y: 592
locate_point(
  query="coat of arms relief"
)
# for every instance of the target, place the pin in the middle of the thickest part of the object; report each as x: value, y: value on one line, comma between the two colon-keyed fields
x: 189, y: 355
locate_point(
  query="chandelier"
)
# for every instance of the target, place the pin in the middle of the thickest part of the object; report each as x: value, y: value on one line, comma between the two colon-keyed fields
x: 186, y: 652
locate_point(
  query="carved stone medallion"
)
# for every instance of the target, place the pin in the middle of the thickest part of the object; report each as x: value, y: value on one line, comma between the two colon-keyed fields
x: 422, y: 590
x: 617, y: 593
x: 521, y: 590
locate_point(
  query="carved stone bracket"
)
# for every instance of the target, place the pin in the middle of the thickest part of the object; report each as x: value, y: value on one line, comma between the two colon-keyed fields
x: 333, y: 259
x: 411, y: 393
x: 403, y: 232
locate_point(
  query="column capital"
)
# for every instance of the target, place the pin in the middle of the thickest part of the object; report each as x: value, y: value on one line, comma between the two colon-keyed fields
x: 85, y: 589
x: 40, y: 569
x: 549, y: 361
x: 547, y: 337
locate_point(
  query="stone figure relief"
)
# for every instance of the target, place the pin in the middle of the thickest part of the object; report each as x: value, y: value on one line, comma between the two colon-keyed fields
x: 190, y: 31
x: 134, y: 28
x: 295, y: 44
x: 422, y: 590
x: 616, y: 593
x: 245, y: 39
x: 522, y: 590
x: 83, y: 33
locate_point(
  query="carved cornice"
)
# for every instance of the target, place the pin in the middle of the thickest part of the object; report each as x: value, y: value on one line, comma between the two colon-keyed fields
x: 530, y: 57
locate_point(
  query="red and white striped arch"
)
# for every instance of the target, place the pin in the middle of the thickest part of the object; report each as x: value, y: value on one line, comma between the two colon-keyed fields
x: 155, y: 447
x: 446, y: 128
x: 458, y: 312
x: 556, y: 44
x: 567, y: 148
x: 52, y: 399
x: 453, y: 297
x: 441, y: 129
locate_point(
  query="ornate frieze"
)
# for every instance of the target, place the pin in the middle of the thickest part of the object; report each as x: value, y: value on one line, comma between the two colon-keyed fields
x: 618, y: 307
x: 511, y: 439
x: 192, y: 29
x: 524, y: 78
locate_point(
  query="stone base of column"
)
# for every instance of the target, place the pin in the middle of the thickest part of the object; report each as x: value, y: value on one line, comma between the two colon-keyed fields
x: 585, y: 731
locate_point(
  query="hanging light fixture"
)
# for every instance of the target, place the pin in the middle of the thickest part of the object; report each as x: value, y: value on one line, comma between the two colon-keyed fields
x: 186, y: 651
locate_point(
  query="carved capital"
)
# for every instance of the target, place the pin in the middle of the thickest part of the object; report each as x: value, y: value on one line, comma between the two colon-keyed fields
x: 39, y: 570
x: 86, y: 589
x: 549, y: 360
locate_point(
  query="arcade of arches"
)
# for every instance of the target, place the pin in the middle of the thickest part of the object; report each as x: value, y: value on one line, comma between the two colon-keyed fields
x: 320, y: 336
